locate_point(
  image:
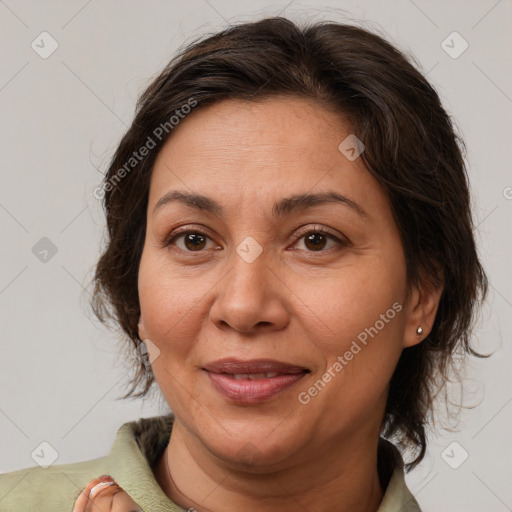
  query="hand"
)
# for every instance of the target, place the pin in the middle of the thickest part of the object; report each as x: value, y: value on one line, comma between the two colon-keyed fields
x: 104, y: 495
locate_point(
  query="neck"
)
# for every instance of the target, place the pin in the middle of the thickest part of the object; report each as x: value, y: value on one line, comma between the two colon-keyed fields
x: 344, y: 479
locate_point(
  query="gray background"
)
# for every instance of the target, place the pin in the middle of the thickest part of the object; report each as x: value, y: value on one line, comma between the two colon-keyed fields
x: 62, y: 116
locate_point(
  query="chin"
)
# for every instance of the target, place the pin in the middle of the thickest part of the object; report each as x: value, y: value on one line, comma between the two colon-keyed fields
x: 253, y: 448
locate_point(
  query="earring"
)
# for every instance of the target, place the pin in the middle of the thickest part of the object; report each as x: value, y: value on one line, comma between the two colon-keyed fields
x: 419, y: 330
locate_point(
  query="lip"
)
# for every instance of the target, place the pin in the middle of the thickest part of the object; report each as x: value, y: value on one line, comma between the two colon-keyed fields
x: 245, y: 391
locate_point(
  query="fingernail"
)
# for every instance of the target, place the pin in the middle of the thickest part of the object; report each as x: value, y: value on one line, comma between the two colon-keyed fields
x: 101, y: 484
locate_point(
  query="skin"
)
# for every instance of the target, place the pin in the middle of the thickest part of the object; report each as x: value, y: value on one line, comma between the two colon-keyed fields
x: 292, y: 303
x: 104, y: 494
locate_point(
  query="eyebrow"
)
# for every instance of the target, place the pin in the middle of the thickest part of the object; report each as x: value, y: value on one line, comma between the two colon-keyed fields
x: 281, y: 208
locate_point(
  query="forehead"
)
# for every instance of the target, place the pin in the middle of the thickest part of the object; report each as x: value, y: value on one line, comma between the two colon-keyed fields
x: 260, y: 150
x: 242, y: 126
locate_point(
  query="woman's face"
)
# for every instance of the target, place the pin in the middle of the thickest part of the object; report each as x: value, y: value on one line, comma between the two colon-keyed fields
x: 275, y: 341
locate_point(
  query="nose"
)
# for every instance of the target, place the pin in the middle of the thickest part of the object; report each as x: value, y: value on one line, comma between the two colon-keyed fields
x: 251, y: 298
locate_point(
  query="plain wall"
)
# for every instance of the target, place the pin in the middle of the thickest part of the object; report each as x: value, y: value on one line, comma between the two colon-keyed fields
x: 60, y: 371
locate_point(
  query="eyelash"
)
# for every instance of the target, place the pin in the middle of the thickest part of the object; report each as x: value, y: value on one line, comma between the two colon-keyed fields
x: 316, y: 230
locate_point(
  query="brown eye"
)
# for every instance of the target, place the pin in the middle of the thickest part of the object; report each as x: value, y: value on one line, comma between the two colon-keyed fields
x: 318, y: 240
x: 315, y: 241
x: 194, y: 241
x: 191, y: 241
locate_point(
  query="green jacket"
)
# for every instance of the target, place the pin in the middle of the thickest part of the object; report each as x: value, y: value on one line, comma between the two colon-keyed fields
x: 136, y: 449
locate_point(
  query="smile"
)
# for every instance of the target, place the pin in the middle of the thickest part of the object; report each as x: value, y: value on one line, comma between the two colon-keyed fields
x: 252, y: 382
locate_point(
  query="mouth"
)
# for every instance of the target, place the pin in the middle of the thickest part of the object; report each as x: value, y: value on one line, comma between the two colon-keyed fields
x: 252, y: 382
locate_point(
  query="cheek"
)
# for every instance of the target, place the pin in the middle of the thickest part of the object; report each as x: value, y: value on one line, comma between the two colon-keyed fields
x: 359, y: 353
x: 351, y: 303
x: 364, y: 312
x: 169, y: 305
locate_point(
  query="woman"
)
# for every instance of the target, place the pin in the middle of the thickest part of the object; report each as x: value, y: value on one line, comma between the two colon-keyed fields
x: 290, y: 251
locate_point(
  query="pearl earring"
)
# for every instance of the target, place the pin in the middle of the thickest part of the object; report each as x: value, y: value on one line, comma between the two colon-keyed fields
x: 419, y: 330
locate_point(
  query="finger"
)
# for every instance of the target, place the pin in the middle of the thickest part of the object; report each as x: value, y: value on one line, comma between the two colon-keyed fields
x: 101, y: 497
x: 83, y: 498
x: 122, y: 502
x: 110, y: 498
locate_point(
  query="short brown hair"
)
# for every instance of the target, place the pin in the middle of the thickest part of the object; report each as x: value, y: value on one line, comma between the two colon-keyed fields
x: 411, y: 149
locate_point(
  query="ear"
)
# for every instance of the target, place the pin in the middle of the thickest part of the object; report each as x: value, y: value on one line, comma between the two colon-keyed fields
x: 421, y: 311
x: 142, y: 329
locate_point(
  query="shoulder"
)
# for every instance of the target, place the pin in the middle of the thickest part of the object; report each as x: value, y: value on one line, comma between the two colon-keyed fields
x: 137, y: 447
x: 53, y: 489
x: 397, y: 495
